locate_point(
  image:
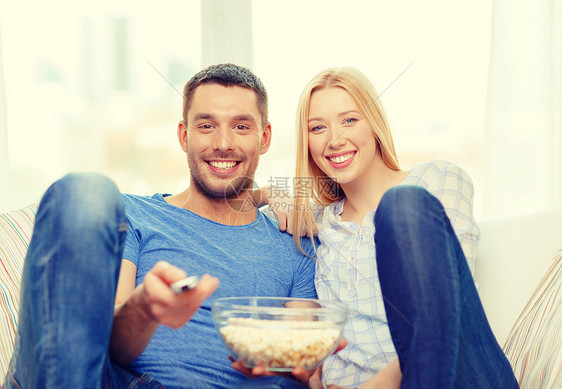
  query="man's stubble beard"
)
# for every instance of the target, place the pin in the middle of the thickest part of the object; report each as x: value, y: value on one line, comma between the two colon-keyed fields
x: 233, y: 189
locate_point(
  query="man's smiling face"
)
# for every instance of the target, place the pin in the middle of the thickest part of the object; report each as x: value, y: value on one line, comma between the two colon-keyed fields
x: 224, y: 138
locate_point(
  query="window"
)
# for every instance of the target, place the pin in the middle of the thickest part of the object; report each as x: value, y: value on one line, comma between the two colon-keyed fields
x: 428, y: 61
x: 97, y: 87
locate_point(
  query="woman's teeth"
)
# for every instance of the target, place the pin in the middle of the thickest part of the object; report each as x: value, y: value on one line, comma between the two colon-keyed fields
x: 341, y: 158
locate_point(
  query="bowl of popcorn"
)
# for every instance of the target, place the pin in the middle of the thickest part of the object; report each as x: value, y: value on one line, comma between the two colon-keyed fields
x: 280, y: 333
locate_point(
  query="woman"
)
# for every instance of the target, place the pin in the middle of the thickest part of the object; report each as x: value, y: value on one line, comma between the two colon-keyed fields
x: 416, y: 319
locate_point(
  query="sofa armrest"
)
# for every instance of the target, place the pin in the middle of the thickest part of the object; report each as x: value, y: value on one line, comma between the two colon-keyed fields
x: 16, y: 228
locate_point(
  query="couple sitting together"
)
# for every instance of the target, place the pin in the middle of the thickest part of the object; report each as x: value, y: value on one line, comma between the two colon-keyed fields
x: 397, y: 247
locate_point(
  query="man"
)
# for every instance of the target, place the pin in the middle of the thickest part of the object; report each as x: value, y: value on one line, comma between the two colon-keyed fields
x: 79, y: 263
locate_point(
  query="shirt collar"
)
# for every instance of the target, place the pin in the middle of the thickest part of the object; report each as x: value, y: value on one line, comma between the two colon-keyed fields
x: 337, y: 207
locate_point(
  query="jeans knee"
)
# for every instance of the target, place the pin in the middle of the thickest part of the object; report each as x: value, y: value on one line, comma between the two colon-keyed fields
x: 407, y: 202
x: 87, y: 188
x: 86, y: 184
x: 79, y: 200
x: 406, y: 196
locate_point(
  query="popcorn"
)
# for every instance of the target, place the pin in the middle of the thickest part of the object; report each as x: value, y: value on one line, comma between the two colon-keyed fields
x: 280, y: 345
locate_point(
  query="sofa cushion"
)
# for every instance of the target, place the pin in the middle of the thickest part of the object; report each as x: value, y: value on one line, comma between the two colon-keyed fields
x: 514, y: 254
x: 15, y: 233
x: 534, y: 346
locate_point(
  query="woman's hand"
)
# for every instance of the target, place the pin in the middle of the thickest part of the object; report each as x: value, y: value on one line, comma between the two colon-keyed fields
x: 282, y: 204
x: 309, y: 378
x: 388, y: 378
x: 298, y: 374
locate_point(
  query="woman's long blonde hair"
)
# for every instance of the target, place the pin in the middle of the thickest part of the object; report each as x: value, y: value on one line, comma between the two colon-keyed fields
x: 310, y: 181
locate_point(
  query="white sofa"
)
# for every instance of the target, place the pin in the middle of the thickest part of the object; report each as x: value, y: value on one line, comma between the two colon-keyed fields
x: 513, y: 256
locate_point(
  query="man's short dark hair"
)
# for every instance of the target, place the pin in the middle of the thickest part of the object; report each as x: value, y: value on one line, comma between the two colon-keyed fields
x: 226, y: 75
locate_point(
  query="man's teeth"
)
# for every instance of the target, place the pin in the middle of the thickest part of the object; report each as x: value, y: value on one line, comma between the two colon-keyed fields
x: 341, y: 158
x: 222, y: 165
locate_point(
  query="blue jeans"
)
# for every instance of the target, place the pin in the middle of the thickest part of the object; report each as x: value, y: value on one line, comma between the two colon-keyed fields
x: 270, y: 382
x: 436, y: 320
x: 68, y: 290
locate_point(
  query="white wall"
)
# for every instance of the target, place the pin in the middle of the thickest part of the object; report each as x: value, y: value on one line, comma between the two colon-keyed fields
x: 522, y: 136
x: 78, y: 120
x: 227, y: 32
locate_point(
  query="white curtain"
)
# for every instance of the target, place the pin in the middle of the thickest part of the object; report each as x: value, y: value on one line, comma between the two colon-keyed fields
x: 225, y: 24
x: 522, y: 137
x: 4, y: 162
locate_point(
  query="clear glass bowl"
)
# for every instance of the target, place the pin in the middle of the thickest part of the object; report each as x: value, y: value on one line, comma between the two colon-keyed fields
x: 280, y: 333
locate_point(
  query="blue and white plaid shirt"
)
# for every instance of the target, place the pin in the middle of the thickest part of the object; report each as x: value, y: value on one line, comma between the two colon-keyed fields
x: 346, y: 271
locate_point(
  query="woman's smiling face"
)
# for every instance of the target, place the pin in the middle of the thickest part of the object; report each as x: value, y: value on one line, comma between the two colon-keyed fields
x: 340, y: 141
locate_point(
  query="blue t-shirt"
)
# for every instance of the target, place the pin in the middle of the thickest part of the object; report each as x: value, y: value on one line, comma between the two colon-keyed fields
x: 249, y: 260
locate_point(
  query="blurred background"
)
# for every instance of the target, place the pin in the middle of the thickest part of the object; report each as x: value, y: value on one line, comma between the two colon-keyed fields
x: 97, y: 87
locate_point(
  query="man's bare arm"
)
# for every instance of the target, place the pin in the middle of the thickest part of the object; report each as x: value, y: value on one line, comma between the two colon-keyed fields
x: 139, y: 311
